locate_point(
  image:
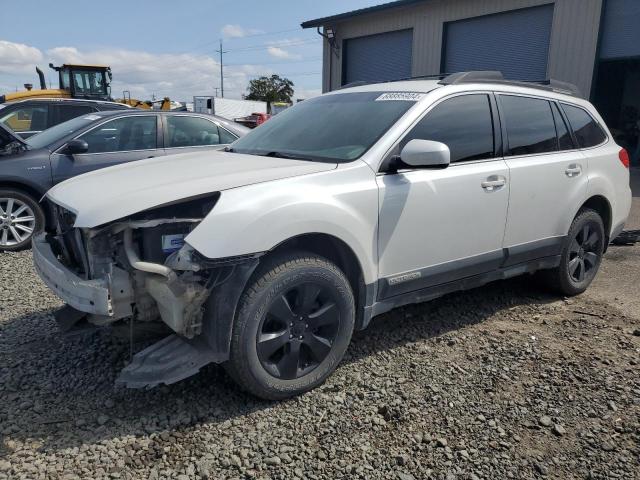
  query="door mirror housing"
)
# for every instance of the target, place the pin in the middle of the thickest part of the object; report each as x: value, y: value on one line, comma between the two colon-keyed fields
x: 77, y: 146
x: 425, y: 154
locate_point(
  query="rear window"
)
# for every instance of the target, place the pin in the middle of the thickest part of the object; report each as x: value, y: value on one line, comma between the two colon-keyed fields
x: 587, y: 131
x: 530, y: 125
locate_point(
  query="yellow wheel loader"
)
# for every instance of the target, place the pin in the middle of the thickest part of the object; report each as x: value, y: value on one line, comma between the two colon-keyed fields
x: 91, y: 82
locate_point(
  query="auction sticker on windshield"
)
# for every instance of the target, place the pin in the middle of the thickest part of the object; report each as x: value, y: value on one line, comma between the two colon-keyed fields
x: 400, y: 97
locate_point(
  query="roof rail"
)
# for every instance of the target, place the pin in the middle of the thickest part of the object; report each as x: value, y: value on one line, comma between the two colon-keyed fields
x: 360, y: 83
x: 473, y: 76
x: 490, y: 76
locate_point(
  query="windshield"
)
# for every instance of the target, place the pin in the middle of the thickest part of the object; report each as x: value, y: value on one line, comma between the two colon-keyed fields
x: 58, y: 132
x: 337, y: 128
x: 89, y: 82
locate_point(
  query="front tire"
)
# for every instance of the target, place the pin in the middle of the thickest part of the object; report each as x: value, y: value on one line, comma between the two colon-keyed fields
x: 20, y: 217
x: 294, y: 324
x: 581, y: 255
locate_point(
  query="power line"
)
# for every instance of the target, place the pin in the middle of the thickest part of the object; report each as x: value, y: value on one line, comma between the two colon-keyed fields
x: 286, y: 62
x: 283, y: 44
x: 264, y: 34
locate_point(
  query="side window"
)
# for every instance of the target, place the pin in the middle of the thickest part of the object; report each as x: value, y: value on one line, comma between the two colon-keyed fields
x: 462, y: 123
x: 565, y: 141
x: 26, y: 119
x: 530, y: 125
x: 226, y: 136
x: 185, y: 131
x: 67, y: 112
x: 123, y: 134
x: 588, y: 133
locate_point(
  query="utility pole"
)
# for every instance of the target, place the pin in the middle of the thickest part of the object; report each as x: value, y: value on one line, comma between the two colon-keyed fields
x: 221, y: 70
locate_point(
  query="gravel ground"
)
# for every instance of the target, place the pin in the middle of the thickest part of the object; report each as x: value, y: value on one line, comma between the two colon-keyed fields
x: 505, y: 381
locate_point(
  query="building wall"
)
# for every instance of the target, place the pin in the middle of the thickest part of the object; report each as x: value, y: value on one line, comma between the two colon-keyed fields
x: 574, y: 35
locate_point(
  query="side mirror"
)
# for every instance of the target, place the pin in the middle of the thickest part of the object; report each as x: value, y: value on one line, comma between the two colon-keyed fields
x: 425, y: 154
x: 77, y: 146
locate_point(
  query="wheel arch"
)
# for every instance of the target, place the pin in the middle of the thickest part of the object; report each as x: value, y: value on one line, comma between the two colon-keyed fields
x: 34, y: 193
x: 342, y: 255
x: 601, y: 205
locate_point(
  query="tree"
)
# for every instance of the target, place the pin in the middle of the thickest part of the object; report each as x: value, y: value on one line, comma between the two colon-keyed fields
x: 270, y: 89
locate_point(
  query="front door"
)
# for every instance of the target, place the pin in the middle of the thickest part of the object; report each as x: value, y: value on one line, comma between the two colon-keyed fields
x: 121, y: 140
x: 441, y: 225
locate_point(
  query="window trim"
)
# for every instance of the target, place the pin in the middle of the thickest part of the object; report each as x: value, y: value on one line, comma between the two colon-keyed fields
x: 573, y: 133
x: 496, y: 127
x: 165, y: 132
x: 61, y: 147
x: 564, y: 118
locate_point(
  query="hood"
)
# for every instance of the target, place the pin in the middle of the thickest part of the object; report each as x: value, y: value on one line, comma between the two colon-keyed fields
x: 8, y: 136
x: 116, y: 192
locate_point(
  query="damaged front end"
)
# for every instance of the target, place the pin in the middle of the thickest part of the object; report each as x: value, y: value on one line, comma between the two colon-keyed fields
x: 140, y: 269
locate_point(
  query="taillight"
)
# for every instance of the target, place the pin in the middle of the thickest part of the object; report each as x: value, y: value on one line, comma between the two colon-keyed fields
x: 624, y: 157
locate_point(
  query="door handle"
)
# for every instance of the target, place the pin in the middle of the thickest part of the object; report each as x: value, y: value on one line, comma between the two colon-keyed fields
x: 573, y: 170
x: 494, y: 182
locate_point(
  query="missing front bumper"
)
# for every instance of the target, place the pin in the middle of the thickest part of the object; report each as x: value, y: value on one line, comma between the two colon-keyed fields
x: 89, y: 296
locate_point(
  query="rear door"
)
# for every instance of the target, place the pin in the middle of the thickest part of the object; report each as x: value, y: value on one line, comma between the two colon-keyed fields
x: 189, y: 133
x: 548, y: 177
x: 120, y: 140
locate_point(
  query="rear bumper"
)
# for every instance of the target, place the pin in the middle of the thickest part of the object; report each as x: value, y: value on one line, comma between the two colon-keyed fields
x: 90, y: 296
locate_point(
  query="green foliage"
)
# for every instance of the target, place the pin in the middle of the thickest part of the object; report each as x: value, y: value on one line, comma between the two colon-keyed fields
x: 270, y: 89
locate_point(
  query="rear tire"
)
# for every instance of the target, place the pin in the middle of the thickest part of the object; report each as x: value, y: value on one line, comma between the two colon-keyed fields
x: 20, y: 217
x: 293, y: 326
x: 581, y: 255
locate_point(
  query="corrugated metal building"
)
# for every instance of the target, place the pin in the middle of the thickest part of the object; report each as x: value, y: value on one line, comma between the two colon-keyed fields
x: 594, y: 44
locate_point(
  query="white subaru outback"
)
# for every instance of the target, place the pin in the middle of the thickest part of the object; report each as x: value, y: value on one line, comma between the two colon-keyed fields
x: 266, y: 257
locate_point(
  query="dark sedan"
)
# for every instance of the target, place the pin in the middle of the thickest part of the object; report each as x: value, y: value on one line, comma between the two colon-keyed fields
x: 28, y: 168
x: 28, y: 117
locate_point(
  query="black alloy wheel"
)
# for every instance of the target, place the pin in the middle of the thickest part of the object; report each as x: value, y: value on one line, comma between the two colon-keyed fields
x: 298, y: 330
x: 581, y: 255
x: 293, y: 325
x: 584, y: 252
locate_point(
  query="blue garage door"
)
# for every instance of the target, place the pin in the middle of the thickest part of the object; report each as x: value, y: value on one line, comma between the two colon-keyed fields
x: 620, y: 30
x: 377, y: 58
x: 515, y: 43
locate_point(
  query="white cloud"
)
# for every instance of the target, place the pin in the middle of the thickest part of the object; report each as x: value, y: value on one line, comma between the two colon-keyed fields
x: 278, y: 52
x: 236, y: 31
x: 144, y: 74
x: 18, y: 58
x: 179, y: 76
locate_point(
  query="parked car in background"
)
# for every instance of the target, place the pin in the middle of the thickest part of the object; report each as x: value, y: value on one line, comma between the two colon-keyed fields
x: 254, y: 120
x: 28, y: 117
x: 28, y: 168
x: 268, y: 256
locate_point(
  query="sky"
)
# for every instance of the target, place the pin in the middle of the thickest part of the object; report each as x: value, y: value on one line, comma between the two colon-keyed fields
x: 168, y: 48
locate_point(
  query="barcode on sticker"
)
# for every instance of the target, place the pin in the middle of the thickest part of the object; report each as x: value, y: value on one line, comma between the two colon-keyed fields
x: 400, y: 97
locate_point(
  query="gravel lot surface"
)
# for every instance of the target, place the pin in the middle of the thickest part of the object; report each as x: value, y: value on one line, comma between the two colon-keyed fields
x: 505, y: 381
